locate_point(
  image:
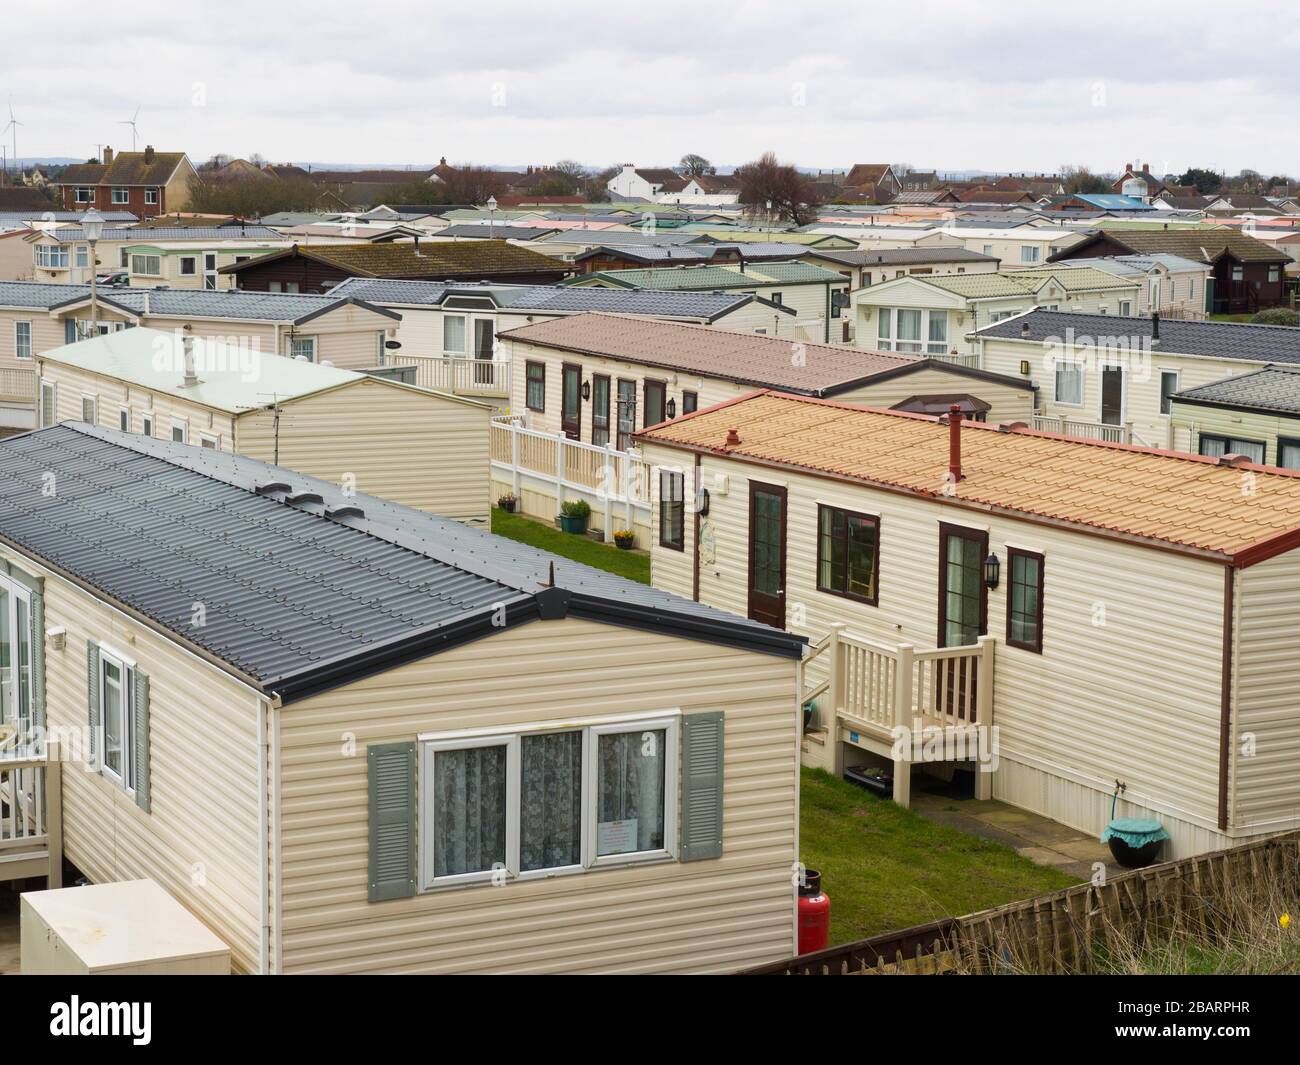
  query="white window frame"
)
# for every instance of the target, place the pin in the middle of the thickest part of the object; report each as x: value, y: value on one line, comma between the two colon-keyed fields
x: 211, y: 278
x: 146, y: 423
x: 1030, y: 253
x: 888, y: 317
x: 17, y: 592
x: 126, y: 671
x: 120, y: 195
x: 140, y: 263
x: 94, y: 406
x: 81, y: 256
x: 124, y: 416
x: 464, y: 334
x: 18, y: 346
x: 53, y: 390
x: 88, y: 197
x: 1126, y: 308
x: 1178, y: 380
x: 184, y: 427
x: 294, y: 341
x: 151, y: 196
x: 210, y: 440
x: 512, y: 736
x: 192, y: 260
x: 1083, y: 383
x: 50, y: 256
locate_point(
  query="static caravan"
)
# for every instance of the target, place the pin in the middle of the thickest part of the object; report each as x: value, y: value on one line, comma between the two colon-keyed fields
x: 251, y: 657
x: 583, y: 385
x: 1113, y: 379
x: 1256, y: 415
x: 1062, y: 618
x: 412, y: 445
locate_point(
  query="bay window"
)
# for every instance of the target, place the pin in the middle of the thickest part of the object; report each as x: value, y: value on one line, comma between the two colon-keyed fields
x: 906, y: 329
x: 50, y: 256
x: 536, y: 802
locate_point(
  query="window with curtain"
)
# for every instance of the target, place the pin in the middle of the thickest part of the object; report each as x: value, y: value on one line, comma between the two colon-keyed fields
x: 1025, y: 600
x: 1069, y: 383
x: 550, y: 801
x: 884, y: 328
x: 469, y: 810
x: 453, y: 333
x: 23, y: 340
x: 847, y: 545
x: 535, y: 386
x: 909, y: 330
x: 630, y: 779
x: 672, y: 510
x: 1231, y: 445
x: 1288, y: 454
x: 937, y: 332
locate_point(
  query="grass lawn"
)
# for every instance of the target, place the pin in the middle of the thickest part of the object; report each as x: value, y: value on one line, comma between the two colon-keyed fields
x: 1231, y: 317
x: 633, y: 565
x: 886, y: 868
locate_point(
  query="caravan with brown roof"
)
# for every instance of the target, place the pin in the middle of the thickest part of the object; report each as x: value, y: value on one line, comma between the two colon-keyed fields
x: 1030, y: 617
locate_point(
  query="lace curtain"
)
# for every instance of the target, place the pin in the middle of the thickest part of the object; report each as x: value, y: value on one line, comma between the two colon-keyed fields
x: 630, y: 782
x: 550, y: 801
x: 469, y: 810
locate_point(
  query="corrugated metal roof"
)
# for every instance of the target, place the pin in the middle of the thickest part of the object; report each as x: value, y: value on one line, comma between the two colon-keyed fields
x: 1216, y: 340
x: 1274, y: 388
x: 1160, y: 496
x: 296, y: 600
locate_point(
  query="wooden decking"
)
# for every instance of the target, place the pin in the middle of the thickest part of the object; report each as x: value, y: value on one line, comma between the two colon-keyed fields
x: 31, y: 818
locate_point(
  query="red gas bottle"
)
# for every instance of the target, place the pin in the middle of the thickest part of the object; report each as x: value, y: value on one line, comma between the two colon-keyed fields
x: 814, y: 913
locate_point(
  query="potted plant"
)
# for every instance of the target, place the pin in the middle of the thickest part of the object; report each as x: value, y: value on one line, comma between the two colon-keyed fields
x: 625, y: 539
x: 507, y: 503
x: 574, y: 514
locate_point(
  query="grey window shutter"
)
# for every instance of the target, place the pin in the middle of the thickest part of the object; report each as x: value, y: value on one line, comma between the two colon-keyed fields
x: 37, y: 617
x: 391, y: 767
x: 140, y: 721
x: 92, y: 698
x: 701, y: 786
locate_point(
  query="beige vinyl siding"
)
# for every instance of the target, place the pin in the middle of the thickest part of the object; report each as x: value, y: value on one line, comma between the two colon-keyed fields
x: 111, y: 395
x: 1266, y: 682
x: 706, y: 916
x: 1190, y: 420
x: 1142, y: 382
x: 1008, y: 403
x: 754, y: 316
x: 1134, y: 697
x: 417, y: 448
x: 200, y: 838
x: 348, y: 337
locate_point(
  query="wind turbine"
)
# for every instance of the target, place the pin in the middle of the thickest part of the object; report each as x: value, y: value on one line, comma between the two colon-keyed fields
x: 131, y: 122
x: 13, y: 125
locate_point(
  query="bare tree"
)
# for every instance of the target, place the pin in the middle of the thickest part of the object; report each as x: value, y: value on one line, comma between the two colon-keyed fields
x: 693, y: 165
x: 1079, y: 179
x: 777, y: 190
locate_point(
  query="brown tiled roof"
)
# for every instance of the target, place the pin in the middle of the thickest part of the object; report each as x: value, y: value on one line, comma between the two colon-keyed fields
x: 127, y: 168
x: 371, y: 177
x: 1199, y: 245
x: 748, y: 358
x: 82, y: 174
x: 865, y: 174
x: 434, y: 259
x: 1157, y: 497
x: 995, y: 196
x: 658, y: 175
x: 21, y: 199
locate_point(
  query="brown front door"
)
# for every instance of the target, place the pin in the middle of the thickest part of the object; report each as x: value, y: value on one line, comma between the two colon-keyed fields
x: 571, y: 401
x: 655, y: 393
x: 1112, y: 395
x: 767, y: 508
x: 963, y: 614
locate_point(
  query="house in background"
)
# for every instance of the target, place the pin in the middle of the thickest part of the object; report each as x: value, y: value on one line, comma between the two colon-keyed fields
x: 1254, y: 414
x: 319, y: 267
x: 1113, y: 378
x: 1101, y: 612
x: 285, y: 695
x: 872, y: 182
x: 872, y: 266
x: 191, y: 264
x: 641, y: 183
x: 1248, y: 274
x: 1169, y: 285
x: 145, y: 183
x: 934, y: 314
x: 417, y: 447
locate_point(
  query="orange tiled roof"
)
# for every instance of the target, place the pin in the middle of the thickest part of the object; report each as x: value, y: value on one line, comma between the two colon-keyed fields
x: 1154, y: 496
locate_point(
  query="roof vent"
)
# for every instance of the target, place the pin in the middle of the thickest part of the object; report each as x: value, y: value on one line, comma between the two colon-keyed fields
x: 1012, y: 427
x: 271, y: 487
x: 1233, y: 459
x: 345, y: 511
x: 1024, y: 329
x: 733, y: 437
x: 305, y: 497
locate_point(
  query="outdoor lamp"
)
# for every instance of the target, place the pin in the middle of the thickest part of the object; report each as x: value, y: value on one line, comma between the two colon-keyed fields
x: 586, y: 390
x: 92, y: 224
x: 671, y: 409
x: 991, y: 568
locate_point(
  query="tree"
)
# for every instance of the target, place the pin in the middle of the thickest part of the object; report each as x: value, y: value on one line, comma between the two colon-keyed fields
x: 766, y: 180
x: 1079, y: 179
x: 596, y: 187
x: 693, y: 165
x: 253, y: 197
x: 1206, y: 181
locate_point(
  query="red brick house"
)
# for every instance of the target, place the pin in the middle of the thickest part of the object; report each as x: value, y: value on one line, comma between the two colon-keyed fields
x: 146, y: 183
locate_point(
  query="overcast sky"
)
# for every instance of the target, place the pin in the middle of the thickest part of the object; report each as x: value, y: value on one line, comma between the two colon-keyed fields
x: 934, y: 83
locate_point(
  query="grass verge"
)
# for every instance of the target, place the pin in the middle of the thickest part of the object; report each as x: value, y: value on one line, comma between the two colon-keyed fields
x: 630, y: 564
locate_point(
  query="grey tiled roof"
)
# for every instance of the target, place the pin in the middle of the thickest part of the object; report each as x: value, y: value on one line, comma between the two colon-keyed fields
x: 636, y: 238
x: 1274, y: 388
x: 546, y: 298
x: 301, y: 595
x: 173, y: 302
x: 1216, y: 340
x: 493, y: 232
x: 151, y: 233
x: 65, y: 216
x: 901, y: 256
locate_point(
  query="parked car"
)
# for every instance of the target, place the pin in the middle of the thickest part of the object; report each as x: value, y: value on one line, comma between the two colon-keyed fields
x: 115, y: 277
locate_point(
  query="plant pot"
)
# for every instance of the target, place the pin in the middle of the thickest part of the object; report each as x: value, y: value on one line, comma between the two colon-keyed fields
x: 508, y: 505
x: 573, y: 525
x: 625, y: 545
x: 1133, y: 857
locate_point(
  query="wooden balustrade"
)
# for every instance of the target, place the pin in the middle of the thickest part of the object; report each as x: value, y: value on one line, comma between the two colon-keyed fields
x: 31, y: 818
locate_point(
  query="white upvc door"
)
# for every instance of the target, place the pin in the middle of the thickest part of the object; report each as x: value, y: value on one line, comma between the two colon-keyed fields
x: 15, y: 654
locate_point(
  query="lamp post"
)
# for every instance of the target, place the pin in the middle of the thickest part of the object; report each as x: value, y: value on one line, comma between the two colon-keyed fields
x: 92, y: 224
x: 492, y: 214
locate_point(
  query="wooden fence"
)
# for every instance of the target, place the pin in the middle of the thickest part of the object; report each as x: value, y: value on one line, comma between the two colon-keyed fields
x: 1058, y: 932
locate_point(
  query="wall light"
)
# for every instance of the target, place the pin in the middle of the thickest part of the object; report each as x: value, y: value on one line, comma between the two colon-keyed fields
x: 992, y: 567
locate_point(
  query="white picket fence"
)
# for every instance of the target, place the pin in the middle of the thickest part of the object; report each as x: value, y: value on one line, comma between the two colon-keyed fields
x: 615, y: 483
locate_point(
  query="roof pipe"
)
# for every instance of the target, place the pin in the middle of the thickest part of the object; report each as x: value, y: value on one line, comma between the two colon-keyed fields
x: 954, y: 443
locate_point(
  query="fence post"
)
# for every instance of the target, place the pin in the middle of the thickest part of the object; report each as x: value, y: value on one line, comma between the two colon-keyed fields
x: 903, y: 689
x: 53, y: 771
x: 835, y: 696
x: 514, y: 462
x: 984, y: 716
x: 627, y: 490
x: 560, y: 438
x: 607, y: 476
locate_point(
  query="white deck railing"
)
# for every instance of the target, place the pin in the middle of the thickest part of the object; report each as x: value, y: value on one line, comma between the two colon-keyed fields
x: 876, y: 689
x: 611, y: 480
x: 1087, y: 430
x: 970, y: 359
x: 17, y: 385
x: 31, y: 818
x: 488, y: 378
